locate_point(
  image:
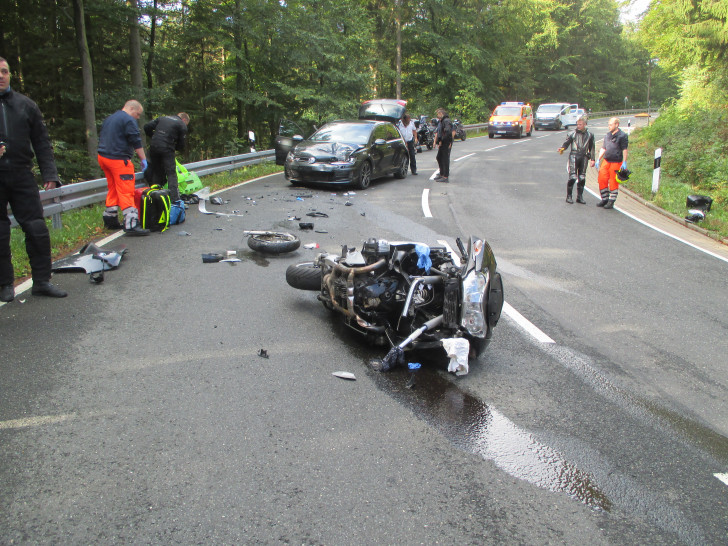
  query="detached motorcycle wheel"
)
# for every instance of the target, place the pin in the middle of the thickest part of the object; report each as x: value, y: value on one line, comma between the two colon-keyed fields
x: 304, y: 276
x: 274, y: 242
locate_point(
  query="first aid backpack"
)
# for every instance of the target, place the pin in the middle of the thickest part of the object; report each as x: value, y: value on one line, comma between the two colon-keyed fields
x: 155, y: 209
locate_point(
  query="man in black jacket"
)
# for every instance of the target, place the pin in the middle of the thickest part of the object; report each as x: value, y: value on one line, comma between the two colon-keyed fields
x: 22, y: 132
x: 168, y: 134
x: 581, y: 142
x: 443, y: 141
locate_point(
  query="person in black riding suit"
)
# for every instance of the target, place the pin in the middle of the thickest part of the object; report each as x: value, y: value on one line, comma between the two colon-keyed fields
x: 168, y: 133
x: 22, y: 132
x: 581, y: 142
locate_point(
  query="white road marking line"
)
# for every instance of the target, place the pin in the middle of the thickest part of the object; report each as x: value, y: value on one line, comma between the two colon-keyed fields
x: 722, y: 477
x: 524, y: 323
x: 465, y: 156
x: 437, y: 172
x: 495, y: 147
x: 36, y: 421
x: 425, y: 203
x: 663, y: 232
x: 508, y: 309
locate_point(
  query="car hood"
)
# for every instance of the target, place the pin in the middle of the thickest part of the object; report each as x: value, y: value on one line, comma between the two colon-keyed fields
x: 322, y: 150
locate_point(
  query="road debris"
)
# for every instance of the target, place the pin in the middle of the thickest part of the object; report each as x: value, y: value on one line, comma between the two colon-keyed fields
x: 345, y: 375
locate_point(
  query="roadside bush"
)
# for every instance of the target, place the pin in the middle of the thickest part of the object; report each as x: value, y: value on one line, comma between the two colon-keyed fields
x: 694, y: 142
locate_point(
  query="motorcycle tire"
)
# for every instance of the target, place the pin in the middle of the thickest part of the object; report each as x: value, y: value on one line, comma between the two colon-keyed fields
x: 464, y: 136
x: 274, y: 242
x: 304, y: 276
x: 429, y: 145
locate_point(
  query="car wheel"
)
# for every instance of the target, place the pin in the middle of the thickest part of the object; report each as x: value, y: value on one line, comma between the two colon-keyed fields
x: 558, y: 126
x: 401, y: 171
x: 535, y: 127
x: 520, y: 133
x: 490, y: 135
x: 365, y: 176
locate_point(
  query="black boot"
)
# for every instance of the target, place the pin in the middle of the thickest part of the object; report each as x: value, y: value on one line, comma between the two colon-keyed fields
x: 580, y: 193
x: 609, y: 204
x: 45, y: 288
x: 569, y: 199
x: 569, y: 191
x: 7, y: 293
x: 112, y: 222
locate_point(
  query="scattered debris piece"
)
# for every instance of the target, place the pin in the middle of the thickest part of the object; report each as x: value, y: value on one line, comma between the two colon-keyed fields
x: 363, y: 213
x: 211, y: 258
x: 317, y: 214
x: 184, y: 233
x: 92, y: 260
x: 294, y: 218
x: 320, y: 231
x: 305, y: 225
x: 345, y: 375
x: 231, y: 261
x: 311, y: 245
x: 216, y: 200
x: 348, y: 204
x: 263, y: 353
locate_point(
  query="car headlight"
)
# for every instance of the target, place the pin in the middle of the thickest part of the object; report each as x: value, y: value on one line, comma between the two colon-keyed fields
x: 473, y: 303
x: 289, y: 157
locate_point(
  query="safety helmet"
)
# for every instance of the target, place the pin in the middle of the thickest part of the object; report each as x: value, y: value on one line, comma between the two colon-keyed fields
x: 623, y: 174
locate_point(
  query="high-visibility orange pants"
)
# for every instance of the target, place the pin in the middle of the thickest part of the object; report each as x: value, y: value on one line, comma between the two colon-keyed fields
x: 120, y: 180
x: 608, y: 175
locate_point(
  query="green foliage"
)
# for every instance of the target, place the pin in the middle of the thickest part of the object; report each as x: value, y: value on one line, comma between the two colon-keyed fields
x: 239, y: 65
x: 691, y: 163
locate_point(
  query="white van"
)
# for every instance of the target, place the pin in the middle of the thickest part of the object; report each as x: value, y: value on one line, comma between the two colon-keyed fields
x: 551, y: 115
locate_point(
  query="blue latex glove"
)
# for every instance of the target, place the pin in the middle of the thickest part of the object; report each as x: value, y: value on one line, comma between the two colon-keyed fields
x: 624, y: 165
x: 596, y: 164
x: 423, y: 257
x: 144, y: 165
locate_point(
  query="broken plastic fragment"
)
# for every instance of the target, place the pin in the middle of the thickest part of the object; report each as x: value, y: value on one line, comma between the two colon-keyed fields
x: 317, y: 214
x: 311, y: 245
x: 263, y: 353
x: 211, y: 258
x: 183, y: 233
x: 216, y: 200
x: 345, y: 375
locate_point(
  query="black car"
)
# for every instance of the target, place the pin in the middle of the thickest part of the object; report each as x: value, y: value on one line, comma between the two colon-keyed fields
x: 347, y: 151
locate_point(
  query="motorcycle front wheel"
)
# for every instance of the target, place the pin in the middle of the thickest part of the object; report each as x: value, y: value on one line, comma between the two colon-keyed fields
x: 274, y: 242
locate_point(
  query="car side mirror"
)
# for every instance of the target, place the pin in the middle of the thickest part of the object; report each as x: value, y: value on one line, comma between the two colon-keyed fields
x: 297, y: 138
x: 380, y: 142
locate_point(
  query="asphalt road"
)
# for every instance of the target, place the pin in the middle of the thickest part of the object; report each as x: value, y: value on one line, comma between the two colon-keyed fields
x: 138, y: 410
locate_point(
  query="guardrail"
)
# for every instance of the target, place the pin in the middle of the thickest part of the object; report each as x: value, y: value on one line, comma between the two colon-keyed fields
x: 59, y: 200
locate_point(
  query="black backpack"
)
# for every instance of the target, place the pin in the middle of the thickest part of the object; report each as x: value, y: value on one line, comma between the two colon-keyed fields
x: 155, y: 208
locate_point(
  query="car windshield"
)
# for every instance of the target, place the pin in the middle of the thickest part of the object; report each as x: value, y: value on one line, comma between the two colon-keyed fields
x: 508, y: 111
x: 352, y: 133
x: 550, y: 108
x: 381, y: 110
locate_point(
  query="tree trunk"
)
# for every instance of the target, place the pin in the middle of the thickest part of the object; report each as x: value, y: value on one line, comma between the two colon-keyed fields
x: 238, y: 41
x: 152, y: 36
x: 398, y: 21
x: 135, y: 55
x: 89, y: 105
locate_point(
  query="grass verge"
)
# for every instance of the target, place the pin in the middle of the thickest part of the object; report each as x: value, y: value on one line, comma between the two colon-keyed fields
x: 84, y: 225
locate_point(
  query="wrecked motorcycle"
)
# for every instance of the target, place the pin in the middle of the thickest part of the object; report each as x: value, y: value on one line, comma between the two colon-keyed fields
x: 411, y: 296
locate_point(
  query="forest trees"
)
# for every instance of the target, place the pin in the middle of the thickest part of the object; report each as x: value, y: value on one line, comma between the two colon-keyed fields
x: 239, y: 65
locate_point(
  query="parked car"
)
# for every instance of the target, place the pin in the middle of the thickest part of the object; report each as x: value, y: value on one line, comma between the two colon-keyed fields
x: 551, y: 115
x: 569, y: 120
x: 347, y: 151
